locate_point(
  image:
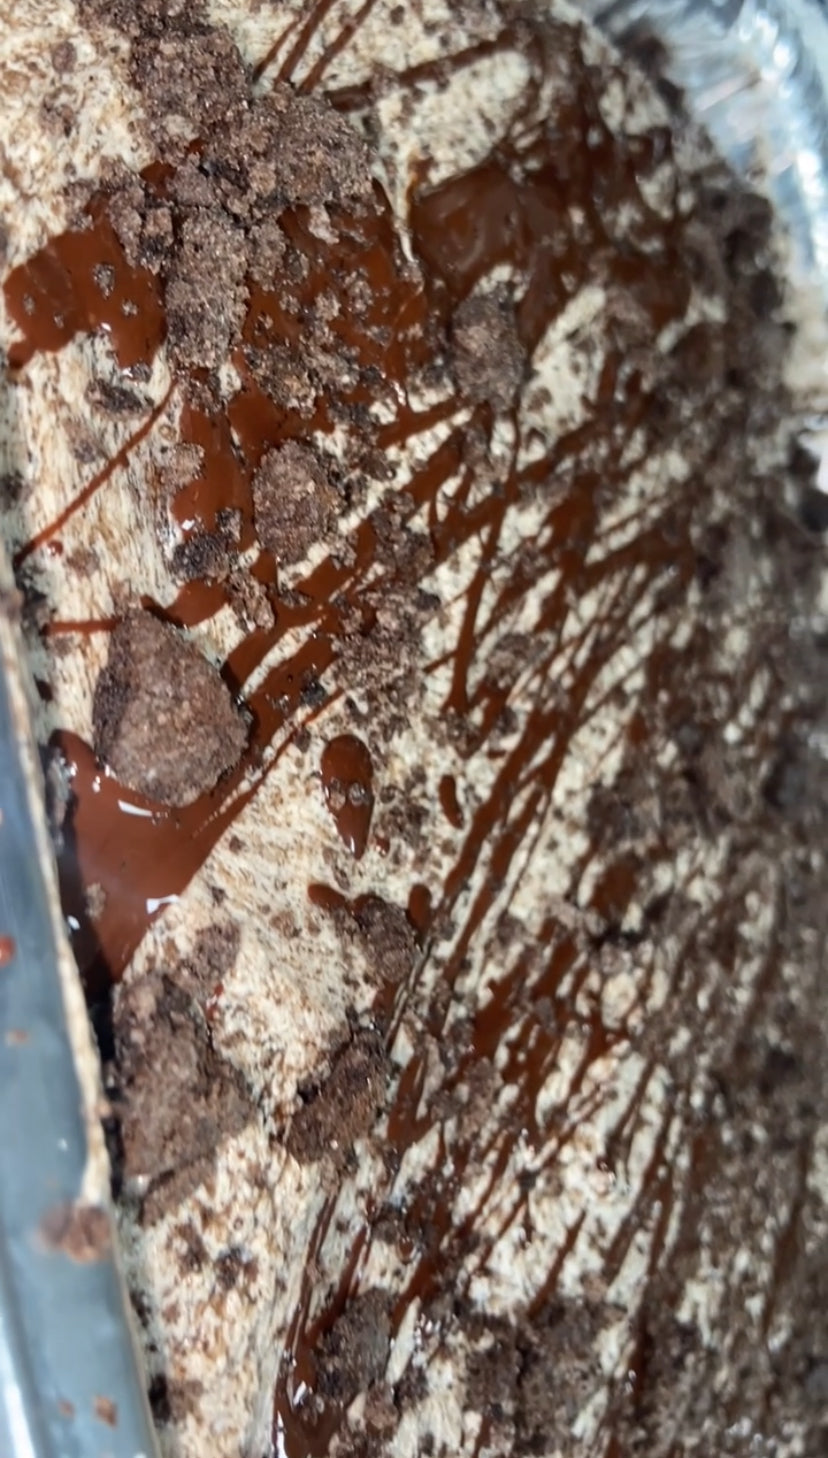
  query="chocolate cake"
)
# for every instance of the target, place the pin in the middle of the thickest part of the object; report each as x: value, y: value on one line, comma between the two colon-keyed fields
x: 423, y: 586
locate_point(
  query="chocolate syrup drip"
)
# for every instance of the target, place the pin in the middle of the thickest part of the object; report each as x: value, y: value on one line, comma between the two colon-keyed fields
x: 80, y: 283
x: 44, y: 538
x: 499, y: 213
x: 348, y: 783
x: 449, y: 803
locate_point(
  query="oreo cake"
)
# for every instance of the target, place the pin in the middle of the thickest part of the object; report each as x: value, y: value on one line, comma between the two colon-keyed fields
x: 421, y: 583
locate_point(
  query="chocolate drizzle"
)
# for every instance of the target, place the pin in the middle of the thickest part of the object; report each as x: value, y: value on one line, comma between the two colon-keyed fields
x: 80, y: 283
x: 348, y: 783
x: 552, y: 215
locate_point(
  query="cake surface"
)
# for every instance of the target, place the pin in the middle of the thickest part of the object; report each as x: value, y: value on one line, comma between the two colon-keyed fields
x: 423, y: 588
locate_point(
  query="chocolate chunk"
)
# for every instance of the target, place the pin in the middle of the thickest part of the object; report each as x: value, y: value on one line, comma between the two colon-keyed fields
x: 341, y: 1108
x: 354, y: 1353
x: 206, y: 294
x: 389, y: 938
x: 180, y: 1099
x: 293, y: 501
x: 162, y: 717
x: 488, y: 357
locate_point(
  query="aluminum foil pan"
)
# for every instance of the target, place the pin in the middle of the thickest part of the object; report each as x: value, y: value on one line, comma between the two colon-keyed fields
x: 756, y: 76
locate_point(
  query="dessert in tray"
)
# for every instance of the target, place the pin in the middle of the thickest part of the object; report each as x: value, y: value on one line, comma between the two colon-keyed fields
x: 418, y: 573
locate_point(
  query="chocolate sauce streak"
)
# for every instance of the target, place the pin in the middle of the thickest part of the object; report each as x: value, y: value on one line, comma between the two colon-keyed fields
x: 550, y: 213
x: 348, y: 783
x: 80, y: 283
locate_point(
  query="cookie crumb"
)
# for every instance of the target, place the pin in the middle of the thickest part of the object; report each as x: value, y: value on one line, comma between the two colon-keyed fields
x: 389, y: 938
x: 162, y: 717
x: 354, y: 1353
x: 488, y: 357
x: 342, y: 1106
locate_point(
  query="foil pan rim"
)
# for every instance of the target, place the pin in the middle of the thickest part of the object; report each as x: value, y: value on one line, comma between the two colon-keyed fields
x: 755, y: 75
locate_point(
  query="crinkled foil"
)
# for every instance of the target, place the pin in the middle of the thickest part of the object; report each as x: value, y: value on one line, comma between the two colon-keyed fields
x: 756, y: 76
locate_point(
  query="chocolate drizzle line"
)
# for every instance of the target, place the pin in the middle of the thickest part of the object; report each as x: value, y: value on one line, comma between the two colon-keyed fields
x: 462, y: 229
x: 348, y: 783
x: 55, y: 295
x: 44, y: 537
x: 517, y: 208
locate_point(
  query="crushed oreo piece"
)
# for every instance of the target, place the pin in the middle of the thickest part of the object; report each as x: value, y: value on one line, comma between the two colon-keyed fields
x: 203, y: 555
x: 389, y: 938
x: 337, y: 1111
x: 162, y: 717
x: 206, y: 294
x: 190, y: 83
x: 488, y: 357
x: 115, y: 399
x: 353, y: 1354
x: 290, y: 149
x: 293, y: 501
x: 179, y: 1098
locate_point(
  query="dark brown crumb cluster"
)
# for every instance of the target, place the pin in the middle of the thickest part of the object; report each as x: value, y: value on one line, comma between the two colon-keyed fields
x: 190, y: 82
x: 343, y: 1104
x: 289, y: 150
x: 353, y: 1353
x: 388, y: 938
x: 213, y: 956
x: 205, y: 292
x: 379, y: 657
x: 204, y: 556
x: 215, y: 222
x: 530, y: 1379
x: 293, y: 501
x: 163, y: 718
x: 177, y: 1098
x: 489, y: 360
